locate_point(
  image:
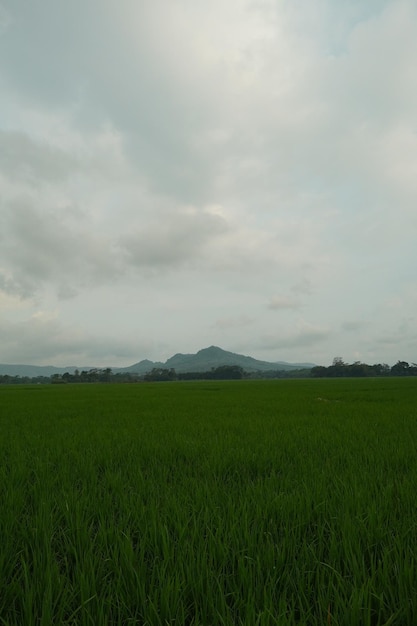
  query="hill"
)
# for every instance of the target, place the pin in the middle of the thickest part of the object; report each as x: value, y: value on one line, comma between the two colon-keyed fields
x: 204, y: 360
x: 33, y: 371
x: 208, y: 358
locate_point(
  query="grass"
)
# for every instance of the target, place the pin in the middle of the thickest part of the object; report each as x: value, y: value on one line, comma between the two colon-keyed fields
x: 256, y: 503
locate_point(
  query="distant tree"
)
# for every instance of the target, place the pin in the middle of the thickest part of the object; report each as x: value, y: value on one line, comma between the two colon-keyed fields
x: 57, y: 379
x: 319, y: 371
x: 358, y: 369
x: 338, y: 368
x: 105, y: 375
x: 160, y: 374
x: 401, y: 368
x: 227, y: 372
x: 193, y: 375
x: 380, y: 369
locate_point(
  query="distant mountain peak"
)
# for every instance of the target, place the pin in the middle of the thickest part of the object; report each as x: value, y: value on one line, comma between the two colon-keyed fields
x: 204, y: 360
x: 213, y: 350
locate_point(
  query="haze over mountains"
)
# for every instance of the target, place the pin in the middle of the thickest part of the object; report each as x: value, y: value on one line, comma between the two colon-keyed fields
x: 204, y: 360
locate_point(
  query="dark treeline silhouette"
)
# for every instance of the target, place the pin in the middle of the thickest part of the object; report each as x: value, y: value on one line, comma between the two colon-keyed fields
x: 270, y: 374
x: 96, y: 376
x: 6, y: 379
x: 223, y: 372
x: 91, y: 376
x: 340, y: 369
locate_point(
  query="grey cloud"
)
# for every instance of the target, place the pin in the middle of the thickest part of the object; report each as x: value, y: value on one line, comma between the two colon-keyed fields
x: 279, y: 303
x: 298, y: 123
x: 228, y: 323
x: 64, y: 248
x: 38, y: 54
x: 41, y: 247
x: 177, y: 238
x: 301, y: 339
x: 329, y: 138
x: 43, y: 339
x: 11, y: 287
x: 5, y: 19
x: 352, y: 326
x: 171, y: 94
x: 404, y: 336
x: 25, y: 160
x: 302, y: 287
x: 119, y: 73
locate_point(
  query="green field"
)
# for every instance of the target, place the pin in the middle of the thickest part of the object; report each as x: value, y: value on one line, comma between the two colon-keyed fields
x: 209, y: 504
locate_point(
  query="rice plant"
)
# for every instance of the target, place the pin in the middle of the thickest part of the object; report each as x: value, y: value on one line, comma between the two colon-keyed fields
x: 256, y: 503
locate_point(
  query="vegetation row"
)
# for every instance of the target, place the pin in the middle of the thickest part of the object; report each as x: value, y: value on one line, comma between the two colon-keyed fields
x: 339, y: 369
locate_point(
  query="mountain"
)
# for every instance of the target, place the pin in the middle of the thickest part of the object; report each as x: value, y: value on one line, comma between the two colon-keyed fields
x: 298, y: 366
x: 204, y: 360
x: 207, y: 358
x: 142, y: 367
x: 36, y: 370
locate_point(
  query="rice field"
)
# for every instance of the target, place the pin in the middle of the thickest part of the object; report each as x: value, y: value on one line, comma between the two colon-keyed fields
x: 256, y: 503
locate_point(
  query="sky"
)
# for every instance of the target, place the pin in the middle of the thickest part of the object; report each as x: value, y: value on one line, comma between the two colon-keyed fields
x: 176, y: 174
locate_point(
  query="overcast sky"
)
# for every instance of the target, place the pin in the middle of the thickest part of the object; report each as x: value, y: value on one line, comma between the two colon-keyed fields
x: 181, y: 173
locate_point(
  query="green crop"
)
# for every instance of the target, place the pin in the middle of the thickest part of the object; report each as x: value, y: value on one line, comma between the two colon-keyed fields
x: 256, y: 503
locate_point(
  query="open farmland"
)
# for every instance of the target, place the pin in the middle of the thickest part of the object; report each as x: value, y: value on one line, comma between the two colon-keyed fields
x: 209, y: 504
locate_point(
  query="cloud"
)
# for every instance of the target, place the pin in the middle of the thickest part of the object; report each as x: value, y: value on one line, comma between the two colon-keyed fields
x: 5, y: 19
x: 52, y: 246
x: 43, y: 339
x: 306, y: 336
x: 212, y: 157
x: 176, y: 238
x: 279, y: 303
x: 9, y: 299
x: 403, y: 332
x: 230, y: 323
x: 22, y: 158
x: 353, y: 325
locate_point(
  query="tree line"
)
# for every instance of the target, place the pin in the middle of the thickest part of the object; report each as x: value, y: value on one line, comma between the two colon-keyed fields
x: 223, y: 372
x: 86, y: 376
x: 106, y: 375
x: 338, y: 369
